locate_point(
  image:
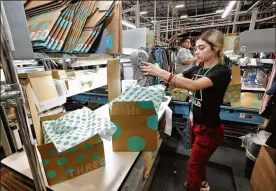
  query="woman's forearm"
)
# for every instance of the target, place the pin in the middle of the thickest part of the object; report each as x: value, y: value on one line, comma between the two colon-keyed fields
x: 178, y: 81
x: 164, y: 75
x: 185, y: 83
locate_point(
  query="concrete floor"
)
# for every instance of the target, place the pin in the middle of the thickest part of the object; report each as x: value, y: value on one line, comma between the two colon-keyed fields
x: 229, y: 154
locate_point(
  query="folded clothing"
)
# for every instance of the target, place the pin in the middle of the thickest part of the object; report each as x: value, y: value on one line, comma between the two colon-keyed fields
x: 135, y: 59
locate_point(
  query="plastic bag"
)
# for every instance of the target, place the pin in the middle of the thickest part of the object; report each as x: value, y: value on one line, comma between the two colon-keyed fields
x: 252, y: 143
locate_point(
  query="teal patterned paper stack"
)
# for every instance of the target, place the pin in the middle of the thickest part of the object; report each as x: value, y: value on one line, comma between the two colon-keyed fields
x: 76, y: 127
x: 133, y: 94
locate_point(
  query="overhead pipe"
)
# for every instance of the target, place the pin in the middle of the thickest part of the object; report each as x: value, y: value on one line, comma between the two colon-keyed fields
x: 196, y: 22
x: 146, y: 20
x: 234, y: 28
x: 184, y: 24
x: 255, y: 4
x: 227, y: 24
x: 129, y: 10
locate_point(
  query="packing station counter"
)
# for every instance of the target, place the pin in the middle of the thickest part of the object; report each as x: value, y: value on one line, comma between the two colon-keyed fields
x: 122, y: 169
x: 88, y: 160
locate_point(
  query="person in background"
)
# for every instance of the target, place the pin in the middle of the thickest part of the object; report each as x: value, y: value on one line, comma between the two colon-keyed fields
x: 184, y: 59
x: 207, y: 83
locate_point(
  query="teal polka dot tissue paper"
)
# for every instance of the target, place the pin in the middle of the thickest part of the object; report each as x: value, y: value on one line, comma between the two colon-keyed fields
x: 75, y: 127
x: 134, y: 113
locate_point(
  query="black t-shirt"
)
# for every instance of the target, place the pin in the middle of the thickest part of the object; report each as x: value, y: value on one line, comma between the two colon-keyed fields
x: 206, y: 109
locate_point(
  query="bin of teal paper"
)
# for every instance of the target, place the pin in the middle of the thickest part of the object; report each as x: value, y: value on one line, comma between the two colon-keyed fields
x: 76, y: 127
x: 150, y: 93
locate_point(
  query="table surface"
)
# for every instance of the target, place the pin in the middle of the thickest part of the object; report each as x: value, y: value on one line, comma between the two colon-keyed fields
x: 244, y: 88
x: 107, y: 178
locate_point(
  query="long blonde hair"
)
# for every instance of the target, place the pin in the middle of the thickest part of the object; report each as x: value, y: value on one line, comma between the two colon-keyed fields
x: 215, y: 39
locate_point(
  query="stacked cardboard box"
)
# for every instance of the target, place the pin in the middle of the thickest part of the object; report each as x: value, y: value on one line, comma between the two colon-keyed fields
x: 180, y: 94
x: 74, y: 27
x: 264, y: 173
x: 233, y: 92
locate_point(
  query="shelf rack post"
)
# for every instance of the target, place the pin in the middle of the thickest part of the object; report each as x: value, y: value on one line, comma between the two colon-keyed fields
x: 21, y: 114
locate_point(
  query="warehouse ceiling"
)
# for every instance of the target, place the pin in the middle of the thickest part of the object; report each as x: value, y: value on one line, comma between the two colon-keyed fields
x: 200, y: 13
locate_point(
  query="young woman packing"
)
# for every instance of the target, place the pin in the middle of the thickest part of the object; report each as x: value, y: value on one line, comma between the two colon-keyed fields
x: 207, y: 83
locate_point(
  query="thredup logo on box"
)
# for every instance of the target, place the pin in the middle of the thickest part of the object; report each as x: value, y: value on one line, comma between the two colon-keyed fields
x: 86, y: 168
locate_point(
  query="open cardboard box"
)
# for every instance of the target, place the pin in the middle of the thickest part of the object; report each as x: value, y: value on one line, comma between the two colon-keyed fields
x: 231, y: 42
x: 233, y: 92
x: 68, y: 164
x: 179, y: 94
x: 137, y: 126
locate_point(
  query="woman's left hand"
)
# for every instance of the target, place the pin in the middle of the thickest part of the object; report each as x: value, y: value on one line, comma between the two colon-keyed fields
x: 149, y: 69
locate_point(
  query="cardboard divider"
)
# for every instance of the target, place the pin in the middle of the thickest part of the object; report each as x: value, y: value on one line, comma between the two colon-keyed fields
x: 114, y: 79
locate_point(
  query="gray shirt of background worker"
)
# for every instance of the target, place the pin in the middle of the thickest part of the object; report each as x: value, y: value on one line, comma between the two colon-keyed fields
x: 184, y: 59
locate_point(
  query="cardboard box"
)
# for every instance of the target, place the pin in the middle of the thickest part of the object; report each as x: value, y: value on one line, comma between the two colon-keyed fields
x: 68, y: 164
x: 179, y: 94
x: 248, y: 100
x: 264, y: 173
x: 80, y: 159
x: 40, y: 82
x: 150, y: 39
x: 233, y: 92
x: 137, y: 125
x: 114, y: 79
x: 231, y: 43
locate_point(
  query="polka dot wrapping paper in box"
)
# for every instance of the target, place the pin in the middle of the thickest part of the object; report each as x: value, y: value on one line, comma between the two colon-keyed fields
x: 73, y: 144
x: 76, y: 127
x: 134, y: 113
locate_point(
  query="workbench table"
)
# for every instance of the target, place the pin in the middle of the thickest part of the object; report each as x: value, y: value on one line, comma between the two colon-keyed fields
x: 108, y: 178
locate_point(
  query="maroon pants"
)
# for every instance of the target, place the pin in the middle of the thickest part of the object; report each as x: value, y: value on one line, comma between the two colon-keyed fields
x: 204, y: 142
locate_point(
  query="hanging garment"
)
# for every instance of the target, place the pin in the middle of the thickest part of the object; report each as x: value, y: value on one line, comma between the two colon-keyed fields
x: 135, y: 59
x: 266, y: 97
x: 272, y: 89
x: 151, y: 52
x: 271, y: 105
x: 165, y: 61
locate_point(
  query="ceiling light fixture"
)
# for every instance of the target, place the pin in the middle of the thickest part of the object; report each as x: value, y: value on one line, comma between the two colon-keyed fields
x: 228, y: 9
x: 220, y: 11
x: 179, y: 6
x: 183, y: 16
x: 143, y: 12
x: 274, y: 3
x: 128, y: 24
